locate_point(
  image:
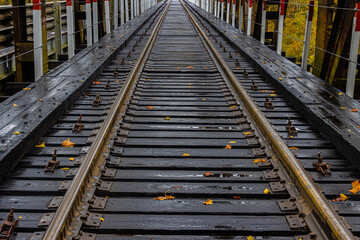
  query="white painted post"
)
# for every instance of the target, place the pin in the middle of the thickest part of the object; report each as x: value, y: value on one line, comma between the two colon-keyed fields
x: 306, y: 47
x: 126, y: 10
x: 107, y: 17
x: 228, y: 12
x: 37, y: 36
x: 218, y: 8
x: 233, y: 13
x: 281, y: 27
x: 122, y: 12
x: 263, y: 23
x: 70, y: 28
x: 116, y: 13
x: 88, y: 23
x: 132, y: 9
x: 95, y: 21
x: 241, y: 15
x: 249, y: 23
x: 354, y: 50
x: 137, y: 7
x: 222, y: 10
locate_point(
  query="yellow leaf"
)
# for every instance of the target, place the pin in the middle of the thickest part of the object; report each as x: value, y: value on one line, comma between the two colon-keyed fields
x: 291, y: 136
x: 16, y: 133
x: 250, y: 238
x: 67, y: 143
x: 71, y: 159
x: 232, y: 142
x: 185, y: 155
x: 166, y: 197
x: 40, y: 145
x: 149, y: 107
x: 294, y: 148
x: 344, y: 197
x: 20, y: 217
x: 206, y: 67
x: 203, y: 99
x: 235, y: 36
x: 259, y: 160
x: 343, y: 107
x: 65, y: 168
x: 340, y: 93
x: 267, y: 191
x: 356, y: 187
x: 233, y: 107
x: 280, y: 78
x: 26, y: 89
x: 273, y: 95
x: 247, y: 133
x: 189, y: 86
x: 167, y: 118
x: 15, y: 105
x: 228, y: 147
x: 208, y: 202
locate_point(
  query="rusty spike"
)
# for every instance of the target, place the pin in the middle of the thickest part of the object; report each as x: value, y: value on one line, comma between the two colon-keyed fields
x: 291, y: 128
x: 268, y: 103
x: 116, y: 72
x: 97, y: 100
x: 78, y: 126
x: 8, y: 226
x: 321, y: 166
x: 237, y: 63
x: 230, y: 55
x: 245, y: 74
x: 108, y: 85
x: 254, y: 87
x: 53, y: 163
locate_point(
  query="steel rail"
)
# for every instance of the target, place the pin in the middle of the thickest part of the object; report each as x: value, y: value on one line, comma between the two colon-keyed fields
x: 321, y: 205
x: 73, y: 195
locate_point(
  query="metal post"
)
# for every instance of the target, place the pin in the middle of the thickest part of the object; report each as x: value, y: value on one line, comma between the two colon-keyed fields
x: 263, y: 23
x: 233, y: 13
x: 132, y: 9
x: 37, y: 36
x: 222, y: 10
x: 354, y: 50
x: 215, y: 8
x: 107, y: 17
x: 135, y: 7
x: 241, y: 15
x: 306, y: 47
x: 122, y: 12
x: 88, y: 23
x: 127, y: 10
x: 70, y: 28
x: 116, y: 14
x: 281, y: 27
x: 228, y: 12
x: 248, y: 32
x: 95, y: 21
x: 218, y: 8
x: 57, y: 21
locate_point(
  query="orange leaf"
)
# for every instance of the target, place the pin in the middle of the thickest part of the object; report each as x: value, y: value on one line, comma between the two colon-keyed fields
x: 148, y: 79
x: 149, y: 107
x: 259, y: 160
x: 40, y: 145
x: 236, y: 197
x: 228, y: 147
x: 67, y: 143
x: 233, y: 107
x: 356, y: 187
x: 166, y: 197
x: 247, y: 133
x: 190, y: 67
x: 97, y: 82
x: 294, y: 148
x: 354, y: 110
x: 207, y: 174
x: 208, y: 202
x: 342, y: 197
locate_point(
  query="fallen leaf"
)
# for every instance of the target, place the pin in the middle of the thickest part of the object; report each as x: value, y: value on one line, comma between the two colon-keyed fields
x: 354, y: 110
x: 208, y: 202
x: 280, y: 78
x: 97, y: 82
x: 71, y: 159
x: 65, y: 168
x: 166, y: 197
x: 203, y: 99
x: 263, y: 91
x: 236, y: 197
x: 294, y: 148
x: 15, y: 105
x: 207, y: 174
x: 356, y: 187
x: 148, y: 79
x: 342, y: 197
x: 340, y: 93
x: 250, y: 238
x: 167, y: 118
x: 190, y: 67
x: 237, y: 68
x: 247, y: 133
x: 26, y: 89
x: 232, y: 142
x: 16, y: 133
x: 40, y: 145
x: 343, y: 107
x: 267, y: 191
x: 291, y: 136
x: 20, y: 217
x: 149, y: 107
x: 67, y: 143
x: 299, y: 79
x: 273, y: 95
x: 185, y: 155
x: 117, y: 81
x: 233, y: 107
x: 206, y: 67
x: 259, y: 160
x: 228, y: 147
x: 41, y: 100
x: 273, y: 91
x: 189, y: 86
x: 235, y: 36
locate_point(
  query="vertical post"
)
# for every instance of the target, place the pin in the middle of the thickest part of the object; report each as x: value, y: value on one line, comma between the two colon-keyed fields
x: 88, y: 23
x: 127, y: 10
x: 116, y: 13
x: 70, y: 28
x: 354, y: 50
x: 241, y: 15
x: 228, y: 12
x: 137, y: 7
x: 222, y: 10
x: 281, y: 27
x: 215, y: 8
x: 44, y: 37
x: 132, y: 9
x: 218, y: 8
x: 37, y: 36
x: 306, y: 47
x: 57, y: 21
x: 107, y: 17
x: 248, y: 32
x: 263, y: 23
x: 122, y: 12
x: 233, y: 13
x: 95, y: 21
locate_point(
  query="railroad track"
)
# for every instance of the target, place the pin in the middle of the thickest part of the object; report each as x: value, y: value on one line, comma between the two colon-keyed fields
x: 174, y: 147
